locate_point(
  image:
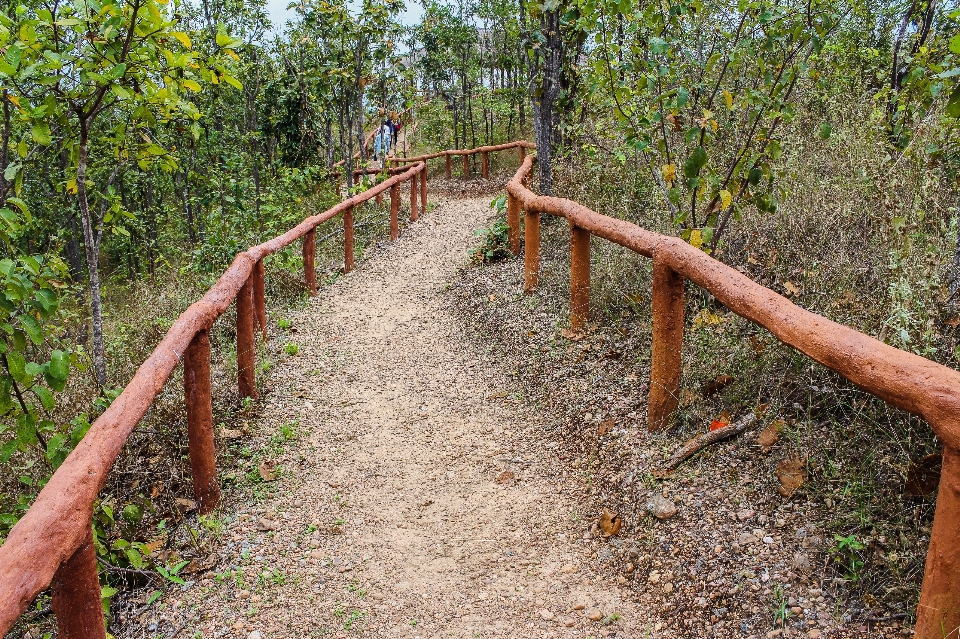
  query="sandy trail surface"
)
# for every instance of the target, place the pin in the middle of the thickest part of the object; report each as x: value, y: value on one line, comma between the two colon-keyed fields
x: 419, y: 497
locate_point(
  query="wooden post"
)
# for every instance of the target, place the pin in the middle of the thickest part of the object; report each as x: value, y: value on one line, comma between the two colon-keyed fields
x: 423, y: 188
x: 348, y: 240
x: 449, y: 170
x: 196, y: 390
x: 531, y: 251
x: 667, y: 344
x: 513, y: 222
x: 379, y: 198
x: 394, y: 212
x: 259, y: 298
x: 309, y: 259
x: 413, y: 198
x: 246, y: 355
x: 466, y: 165
x: 523, y: 153
x: 938, y: 614
x: 75, y: 593
x: 486, y: 165
x: 579, y: 277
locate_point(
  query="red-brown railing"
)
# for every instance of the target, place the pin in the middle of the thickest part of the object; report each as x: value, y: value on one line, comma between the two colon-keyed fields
x: 52, y: 546
x: 903, y: 379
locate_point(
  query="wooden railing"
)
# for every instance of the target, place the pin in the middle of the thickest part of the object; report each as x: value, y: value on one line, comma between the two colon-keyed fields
x: 51, y: 546
x: 903, y: 379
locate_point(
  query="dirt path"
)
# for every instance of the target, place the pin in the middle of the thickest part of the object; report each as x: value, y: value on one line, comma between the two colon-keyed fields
x: 397, y: 513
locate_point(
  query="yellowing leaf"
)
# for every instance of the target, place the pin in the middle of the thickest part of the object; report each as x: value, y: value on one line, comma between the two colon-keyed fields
x: 728, y: 97
x: 696, y: 238
x: 183, y: 38
x: 231, y: 53
x: 72, y: 187
x: 192, y: 85
x: 725, y: 199
x: 669, y: 172
x: 707, y: 318
x: 15, y: 99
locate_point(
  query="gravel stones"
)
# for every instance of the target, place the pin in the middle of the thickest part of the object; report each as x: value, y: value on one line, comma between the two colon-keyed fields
x: 661, y: 507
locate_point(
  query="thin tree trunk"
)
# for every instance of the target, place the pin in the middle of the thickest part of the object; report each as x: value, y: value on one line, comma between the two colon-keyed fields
x: 92, y: 248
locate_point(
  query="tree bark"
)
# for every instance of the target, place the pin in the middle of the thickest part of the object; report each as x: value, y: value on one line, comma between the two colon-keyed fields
x: 545, y: 97
x: 91, y: 246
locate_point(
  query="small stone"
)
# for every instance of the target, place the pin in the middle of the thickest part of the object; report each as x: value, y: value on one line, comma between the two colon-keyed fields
x: 578, y: 606
x: 594, y: 614
x: 774, y: 633
x: 654, y: 577
x: 661, y: 507
x: 316, y: 554
x: 797, y: 610
x: 744, y: 515
x: 546, y: 615
x: 746, y: 539
x: 814, y: 633
x: 567, y: 622
x: 568, y: 568
x: 668, y: 587
x: 768, y: 540
x: 243, y: 594
x: 264, y: 525
x: 256, y: 634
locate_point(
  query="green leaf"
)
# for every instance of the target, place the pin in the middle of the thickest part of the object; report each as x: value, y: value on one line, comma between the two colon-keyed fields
x: 696, y: 161
x: 32, y: 327
x: 17, y: 365
x: 133, y: 514
x: 120, y: 91
x: 41, y: 133
x: 55, y: 446
x: 118, y: 70
x: 825, y: 131
x: 59, y: 365
x: 955, y: 44
x: 953, y: 105
x: 232, y: 81
x: 46, y: 397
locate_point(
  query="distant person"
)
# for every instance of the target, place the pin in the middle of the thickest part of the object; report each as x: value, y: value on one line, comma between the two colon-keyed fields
x: 378, y: 145
x: 396, y: 131
x: 386, y: 131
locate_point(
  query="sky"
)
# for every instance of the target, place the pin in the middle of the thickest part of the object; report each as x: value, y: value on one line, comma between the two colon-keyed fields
x: 279, y: 13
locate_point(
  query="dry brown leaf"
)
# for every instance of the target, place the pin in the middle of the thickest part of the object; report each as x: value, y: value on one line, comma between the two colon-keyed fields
x: 156, y: 544
x: 498, y: 395
x: 716, y: 385
x: 770, y: 435
x: 228, y: 433
x: 604, y: 427
x: 573, y: 336
x: 792, y: 473
x: 758, y: 346
x: 610, y: 523
x: 188, y: 504
x: 198, y: 565
x: 268, y: 471
x: 923, y: 475
x: 792, y: 289
x: 506, y: 477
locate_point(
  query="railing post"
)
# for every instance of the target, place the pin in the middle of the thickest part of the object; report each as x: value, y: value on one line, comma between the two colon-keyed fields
x: 75, y: 593
x: 379, y: 198
x: 309, y: 261
x: 667, y: 344
x: 486, y: 165
x: 938, y: 614
x: 413, y: 197
x: 246, y: 355
x: 531, y: 250
x: 449, y: 170
x: 394, y: 212
x: 523, y: 153
x: 466, y: 165
x: 348, y: 240
x: 579, y: 277
x: 513, y: 222
x: 196, y: 390
x: 259, y: 298
x: 423, y: 188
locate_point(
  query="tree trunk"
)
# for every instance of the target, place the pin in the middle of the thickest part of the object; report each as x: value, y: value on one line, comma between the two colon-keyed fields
x: 546, y: 97
x: 953, y: 302
x: 91, y: 245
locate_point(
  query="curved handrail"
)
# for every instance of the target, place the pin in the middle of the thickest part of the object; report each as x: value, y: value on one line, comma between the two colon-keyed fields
x: 907, y: 381
x: 480, y: 149
x: 903, y: 379
x: 58, y: 522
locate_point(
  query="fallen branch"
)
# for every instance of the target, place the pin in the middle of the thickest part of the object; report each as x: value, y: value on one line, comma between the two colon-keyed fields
x: 700, y: 442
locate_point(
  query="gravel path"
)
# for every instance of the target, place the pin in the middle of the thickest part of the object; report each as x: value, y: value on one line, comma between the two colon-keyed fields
x: 420, y: 497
